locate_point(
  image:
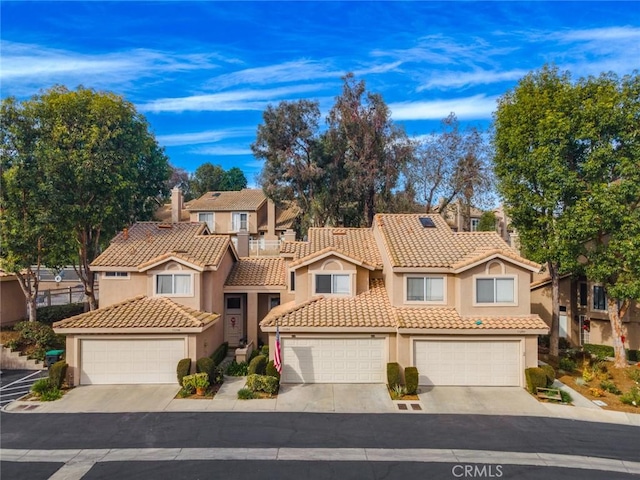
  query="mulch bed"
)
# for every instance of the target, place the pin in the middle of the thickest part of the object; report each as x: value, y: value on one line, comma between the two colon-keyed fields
x: 209, y: 394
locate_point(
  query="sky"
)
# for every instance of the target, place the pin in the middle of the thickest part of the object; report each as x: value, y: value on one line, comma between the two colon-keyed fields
x: 203, y: 72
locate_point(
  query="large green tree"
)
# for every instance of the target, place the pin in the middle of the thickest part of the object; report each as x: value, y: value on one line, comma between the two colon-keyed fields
x: 101, y: 167
x: 213, y: 178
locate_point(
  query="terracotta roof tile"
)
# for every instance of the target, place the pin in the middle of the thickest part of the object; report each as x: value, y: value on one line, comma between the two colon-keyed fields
x: 257, y: 272
x: 285, y: 216
x: 141, y: 312
x: 486, y: 252
x: 448, y: 318
x: 147, y: 242
x: 248, y: 199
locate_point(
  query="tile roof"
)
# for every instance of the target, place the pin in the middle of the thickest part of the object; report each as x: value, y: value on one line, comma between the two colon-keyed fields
x: 286, y: 213
x: 147, y: 242
x: 409, y: 244
x: 248, y: 199
x: 486, y: 252
x: 370, y: 309
x: 357, y: 243
x: 141, y: 312
x: 257, y: 272
x: 448, y: 318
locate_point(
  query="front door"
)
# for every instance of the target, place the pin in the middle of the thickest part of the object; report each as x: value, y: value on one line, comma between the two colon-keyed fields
x: 233, y: 320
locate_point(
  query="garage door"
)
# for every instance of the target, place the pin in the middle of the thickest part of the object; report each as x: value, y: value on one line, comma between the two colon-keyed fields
x: 467, y: 362
x: 340, y: 360
x: 118, y: 361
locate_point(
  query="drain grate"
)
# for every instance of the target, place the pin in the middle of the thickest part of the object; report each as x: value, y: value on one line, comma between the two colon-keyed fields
x: 26, y: 407
x: 416, y: 406
x: 402, y: 406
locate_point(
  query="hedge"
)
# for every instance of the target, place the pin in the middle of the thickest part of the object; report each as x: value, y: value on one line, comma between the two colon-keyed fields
x: 220, y: 353
x: 206, y: 365
x: 262, y: 383
x: 393, y: 374
x: 536, y: 377
x: 550, y: 373
x: 272, y: 371
x: 411, y: 380
x: 183, y: 369
x: 55, y: 313
x: 607, y: 351
x: 258, y: 365
x: 57, y: 373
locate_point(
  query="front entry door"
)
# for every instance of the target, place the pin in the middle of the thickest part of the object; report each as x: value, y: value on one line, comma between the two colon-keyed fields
x: 233, y: 320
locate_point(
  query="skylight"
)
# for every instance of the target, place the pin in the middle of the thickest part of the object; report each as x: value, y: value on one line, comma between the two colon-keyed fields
x: 427, y: 222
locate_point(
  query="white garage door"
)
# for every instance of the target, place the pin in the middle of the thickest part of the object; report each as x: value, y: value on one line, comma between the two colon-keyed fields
x: 119, y: 361
x: 340, y: 360
x: 467, y: 362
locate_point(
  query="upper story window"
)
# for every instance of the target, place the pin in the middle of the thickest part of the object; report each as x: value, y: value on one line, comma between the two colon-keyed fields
x: 239, y: 221
x: 334, y: 283
x: 475, y: 223
x: 207, y: 217
x: 292, y: 281
x: 491, y: 290
x: 116, y: 274
x: 583, y: 294
x: 599, y: 298
x: 425, y: 289
x: 173, y: 284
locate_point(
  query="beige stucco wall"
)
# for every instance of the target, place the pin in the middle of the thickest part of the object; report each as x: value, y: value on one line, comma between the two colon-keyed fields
x: 600, y: 334
x: 222, y: 221
x: 303, y: 284
x: 13, y: 306
x: 193, y: 300
x: 213, y: 285
x: 115, y: 290
x: 398, y: 286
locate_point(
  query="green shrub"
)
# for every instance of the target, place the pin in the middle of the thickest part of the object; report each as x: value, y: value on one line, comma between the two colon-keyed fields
x: 634, y: 374
x: 563, y: 344
x: 55, y: 313
x: 51, y: 395
x: 40, y: 386
x: 45, y: 390
x: 262, y: 383
x: 254, y: 354
x: 609, y: 386
x: 37, y: 334
x: 245, y: 394
x: 184, y: 392
x: 217, y: 377
x: 632, y: 397
x: 603, y: 351
x: 264, y: 350
x: 567, y: 364
x: 393, y: 374
x: 236, y: 369
x: 566, y: 397
x: 551, y: 374
x: 206, y: 365
x: 12, y: 345
x: 411, y: 380
x: 543, y: 341
x: 536, y: 377
x: 57, y: 373
x: 271, y: 370
x: 220, y: 353
x: 183, y: 369
x: 258, y: 365
x: 397, y: 392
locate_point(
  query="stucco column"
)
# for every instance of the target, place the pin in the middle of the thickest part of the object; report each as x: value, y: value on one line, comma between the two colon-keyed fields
x: 252, y: 318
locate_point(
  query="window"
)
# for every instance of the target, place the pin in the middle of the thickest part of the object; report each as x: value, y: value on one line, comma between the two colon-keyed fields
x: 173, y: 284
x: 116, y: 274
x: 206, y: 217
x: 425, y: 289
x: 583, y: 294
x: 274, y: 302
x: 475, y: 222
x: 234, y: 303
x: 240, y: 221
x: 495, y: 290
x: 292, y: 281
x: 599, y: 298
x: 339, y: 284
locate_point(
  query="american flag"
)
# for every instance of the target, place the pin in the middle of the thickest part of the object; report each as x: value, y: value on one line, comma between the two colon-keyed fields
x: 277, y: 360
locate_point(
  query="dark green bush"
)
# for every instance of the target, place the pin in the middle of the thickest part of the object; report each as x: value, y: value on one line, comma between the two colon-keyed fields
x: 40, y: 386
x: 272, y: 371
x: 254, y: 354
x: 551, y: 374
x: 602, y: 351
x: 393, y: 374
x: 236, y: 369
x: 206, y: 365
x: 264, y: 350
x: 262, y: 383
x: 220, y: 353
x: 36, y: 333
x: 609, y: 386
x: 57, y: 373
x: 567, y: 364
x: 411, y: 380
x: 258, y: 365
x: 536, y: 377
x: 51, y: 395
x: 543, y: 341
x: 245, y: 394
x: 55, y: 313
x: 183, y: 369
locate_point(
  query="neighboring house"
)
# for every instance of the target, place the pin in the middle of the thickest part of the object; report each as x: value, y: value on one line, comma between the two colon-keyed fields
x: 13, y: 306
x: 347, y: 301
x: 583, y: 312
x: 408, y: 290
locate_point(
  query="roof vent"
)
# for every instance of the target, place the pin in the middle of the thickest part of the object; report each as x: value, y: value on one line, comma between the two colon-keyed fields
x: 427, y: 222
x: 165, y: 225
x: 216, y: 194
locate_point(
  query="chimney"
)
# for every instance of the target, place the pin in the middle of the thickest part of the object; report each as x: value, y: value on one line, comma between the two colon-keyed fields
x: 243, y: 243
x: 289, y: 235
x: 125, y: 233
x: 271, y: 220
x: 176, y: 204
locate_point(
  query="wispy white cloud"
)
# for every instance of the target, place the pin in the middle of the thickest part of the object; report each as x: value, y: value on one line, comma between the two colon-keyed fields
x: 238, y: 100
x: 468, y: 108
x: 209, y: 136
x: 600, y: 34
x: 287, y: 72
x: 465, y: 79
x: 222, y: 150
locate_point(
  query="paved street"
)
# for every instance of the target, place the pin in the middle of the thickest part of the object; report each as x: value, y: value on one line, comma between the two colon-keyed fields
x: 16, y: 383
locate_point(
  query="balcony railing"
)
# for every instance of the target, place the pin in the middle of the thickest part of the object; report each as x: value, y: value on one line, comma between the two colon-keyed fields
x: 264, y: 248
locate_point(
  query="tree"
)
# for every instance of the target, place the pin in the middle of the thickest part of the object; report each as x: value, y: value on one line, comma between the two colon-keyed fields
x: 487, y: 222
x: 207, y: 178
x: 536, y: 155
x: 180, y: 178
x: 101, y: 167
x: 233, y: 179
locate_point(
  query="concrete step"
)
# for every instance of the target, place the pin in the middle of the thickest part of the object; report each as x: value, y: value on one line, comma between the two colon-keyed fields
x: 15, y: 361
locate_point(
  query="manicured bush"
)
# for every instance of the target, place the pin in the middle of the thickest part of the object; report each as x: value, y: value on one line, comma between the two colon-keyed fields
x: 254, y: 354
x: 567, y: 364
x: 183, y: 369
x: 271, y: 370
x: 264, y: 350
x: 258, y: 365
x: 632, y: 397
x: 411, y: 380
x: 206, y: 365
x: 393, y: 374
x: 536, y: 377
x: 55, y: 313
x: 262, y: 383
x: 220, y: 353
x: 57, y: 373
x: 236, y: 369
x: 245, y: 394
x: 551, y: 374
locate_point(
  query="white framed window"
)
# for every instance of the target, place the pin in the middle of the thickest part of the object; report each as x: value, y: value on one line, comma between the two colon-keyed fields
x: 475, y: 223
x: 425, y: 289
x: 599, y: 298
x: 333, y: 283
x: 239, y: 221
x: 110, y: 275
x: 207, y: 217
x: 492, y: 290
x: 178, y: 284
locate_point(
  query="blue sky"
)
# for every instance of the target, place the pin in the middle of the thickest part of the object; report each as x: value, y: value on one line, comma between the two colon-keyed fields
x: 203, y: 72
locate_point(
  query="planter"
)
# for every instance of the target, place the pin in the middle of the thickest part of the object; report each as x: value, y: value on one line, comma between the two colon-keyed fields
x: 200, y: 391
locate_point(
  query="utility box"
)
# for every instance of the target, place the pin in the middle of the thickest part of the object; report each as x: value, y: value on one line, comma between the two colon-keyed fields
x: 52, y: 356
